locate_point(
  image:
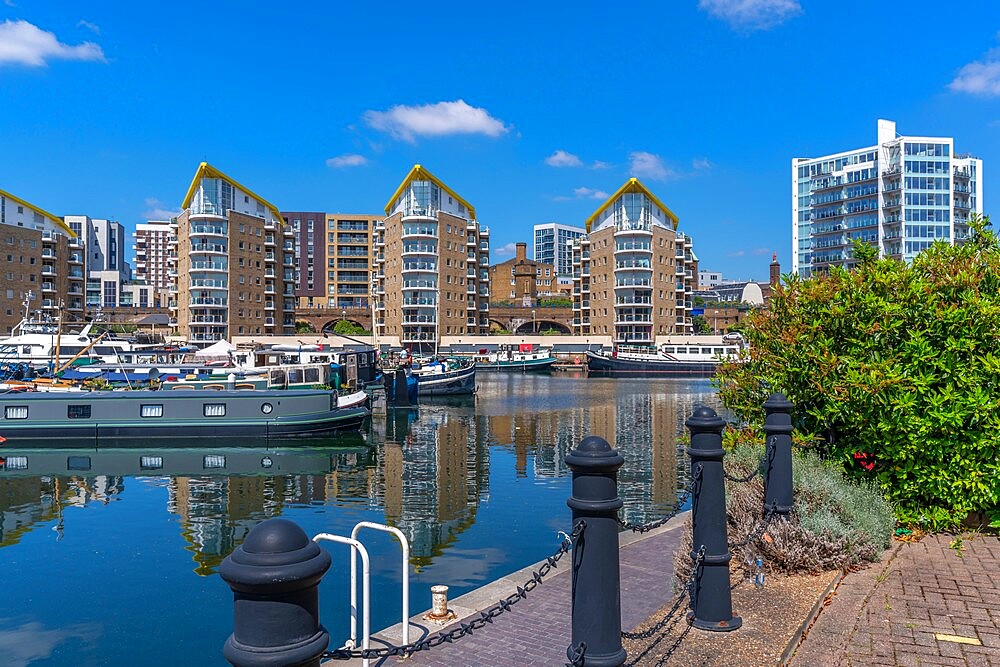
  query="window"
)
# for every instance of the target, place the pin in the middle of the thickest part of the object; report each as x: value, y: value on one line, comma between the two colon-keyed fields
x: 150, y: 462
x: 151, y: 410
x: 214, y: 461
x: 214, y: 410
x: 14, y: 463
x: 78, y: 462
x: 15, y: 412
x: 78, y: 412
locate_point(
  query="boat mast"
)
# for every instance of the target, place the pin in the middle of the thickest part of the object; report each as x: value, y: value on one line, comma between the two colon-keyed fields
x: 58, y: 336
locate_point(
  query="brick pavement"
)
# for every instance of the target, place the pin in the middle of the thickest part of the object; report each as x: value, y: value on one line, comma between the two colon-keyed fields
x: 916, y: 609
x: 537, y: 630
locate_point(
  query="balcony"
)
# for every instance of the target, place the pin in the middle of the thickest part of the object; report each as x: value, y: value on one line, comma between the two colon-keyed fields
x: 268, y: 305
x: 208, y: 230
x: 48, y: 253
x: 420, y: 319
x: 470, y: 305
x: 419, y: 301
x: 48, y: 287
x: 269, y: 257
x: 269, y: 272
x: 209, y: 266
x: 269, y: 289
x: 208, y: 301
x: 268, y: 321
x: 419, y: 249
x: 208, y: 248
x: 48, y: 271
x: 412, y: 231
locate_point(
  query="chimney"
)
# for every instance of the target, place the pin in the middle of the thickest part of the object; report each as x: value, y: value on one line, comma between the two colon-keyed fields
x: 521, y: 253
x: 775, y: 271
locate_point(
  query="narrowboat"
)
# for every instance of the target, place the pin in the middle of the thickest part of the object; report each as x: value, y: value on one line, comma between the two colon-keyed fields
x: 445, y: 377
x: 102, y: 418
x: 670, y: 360
x: 521, y: 358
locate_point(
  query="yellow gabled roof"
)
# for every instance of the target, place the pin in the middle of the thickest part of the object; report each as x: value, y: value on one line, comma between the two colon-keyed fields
x: 419, y: 173
x: 41, y: 211
x: 205, y: 170
x: 632, y: 185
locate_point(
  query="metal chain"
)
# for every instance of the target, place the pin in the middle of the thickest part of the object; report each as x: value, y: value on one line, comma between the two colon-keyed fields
x: 576, y: 660
x: 673, y: 647
x: 646, y: 634
x: 757, y: 532
x: 761, y: 465
x: 653, y: 525
x: 465, y: 629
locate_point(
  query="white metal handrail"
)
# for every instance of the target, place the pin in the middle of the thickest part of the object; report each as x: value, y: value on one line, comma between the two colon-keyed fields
x: 405, y: 548
x: 356, y: 546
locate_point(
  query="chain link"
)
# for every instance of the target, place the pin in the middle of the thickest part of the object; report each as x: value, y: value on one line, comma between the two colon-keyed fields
x: 576, y: 660
x: 757, y: 532
x: 477, y: 623
x: 765, y: 460
x: 646, y: 634
x: 653, y: 525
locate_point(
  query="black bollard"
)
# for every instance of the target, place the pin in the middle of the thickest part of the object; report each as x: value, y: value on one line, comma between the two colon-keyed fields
x: 778, y: 438
x: 711, y: 597
x: 402, y: 396
x: 596, y: 601
x: 274, y: 576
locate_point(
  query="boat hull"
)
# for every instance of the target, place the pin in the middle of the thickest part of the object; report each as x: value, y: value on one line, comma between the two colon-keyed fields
x: 193, y: 417
x: 526, y: 366
x: 451, y: 383
x: 599, y: 364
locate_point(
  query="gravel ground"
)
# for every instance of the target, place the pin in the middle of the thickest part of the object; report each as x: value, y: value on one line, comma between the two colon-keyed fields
x: 770, y: 617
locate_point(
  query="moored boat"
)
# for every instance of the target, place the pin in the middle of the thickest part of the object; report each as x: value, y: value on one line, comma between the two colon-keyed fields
x: 445, y: 377
x: 101, y: 418
x: 669, y: 360
x: 516, y: 358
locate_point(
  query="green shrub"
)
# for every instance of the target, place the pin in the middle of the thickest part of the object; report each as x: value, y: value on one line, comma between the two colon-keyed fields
x: 836, y: 524
x: 895, y: 372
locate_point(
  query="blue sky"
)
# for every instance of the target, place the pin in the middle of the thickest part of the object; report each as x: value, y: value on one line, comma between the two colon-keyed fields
x: 533, y: 115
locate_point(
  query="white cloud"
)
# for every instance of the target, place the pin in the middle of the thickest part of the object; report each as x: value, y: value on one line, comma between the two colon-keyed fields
x: 758, y: 252
x: 505, y: 250
x: 157, y: 210
x: 600, y: 164
x: 752, y: 14
x: 348, y: 160
x: 649, y: 165
x: 92, y: 27
x: 563, y: 159
x: 980, y: 77
x: 22, y: 43
x: 434, y: 120
x: 587, y: 193
x: 701, y: 164
x: 738, y: 253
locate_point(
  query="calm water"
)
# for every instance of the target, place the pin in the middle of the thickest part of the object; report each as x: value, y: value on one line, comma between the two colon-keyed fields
x: 110, y: 564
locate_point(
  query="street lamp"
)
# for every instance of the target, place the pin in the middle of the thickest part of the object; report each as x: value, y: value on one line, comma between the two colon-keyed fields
x: 715, y: 322
x: 534, y: 329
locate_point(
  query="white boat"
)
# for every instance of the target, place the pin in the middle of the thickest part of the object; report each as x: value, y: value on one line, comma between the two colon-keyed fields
x: 40, y: 346
x: 516, y: 358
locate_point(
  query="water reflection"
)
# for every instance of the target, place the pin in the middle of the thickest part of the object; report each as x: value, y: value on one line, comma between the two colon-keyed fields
x: 428, y: 472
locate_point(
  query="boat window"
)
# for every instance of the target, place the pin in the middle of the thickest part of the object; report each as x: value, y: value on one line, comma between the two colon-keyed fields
x: 720, y: 350
x: 14, y: 463
x: 78, y: 412
x: 295, y: 376
x: 78, y: 462
x: 15, y: 412
x: 214, y: 461
x: 312, y: 375
x: 668, y: 350
x: 25, y: 349
x: 151, y: 411
x: 363, y: 360
x: 277, y: 377
x: 214, y: 409
x: 150, y: 462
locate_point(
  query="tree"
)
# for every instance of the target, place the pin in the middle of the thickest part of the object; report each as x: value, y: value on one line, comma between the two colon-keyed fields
x: 701, y: 326
x: 301, y: 326
x: 348, y: 328
x: 895, y: 372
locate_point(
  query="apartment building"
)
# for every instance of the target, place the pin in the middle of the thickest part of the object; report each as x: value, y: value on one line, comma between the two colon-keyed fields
x: 235, y: 271
x: 553, y: 246
x: 41, y: 261
x: 520, y: 279
x: 900, y: 195
x: 154, y: 247
x: 334, y: 252
x: 633, y: 274
x: 431, y: 265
